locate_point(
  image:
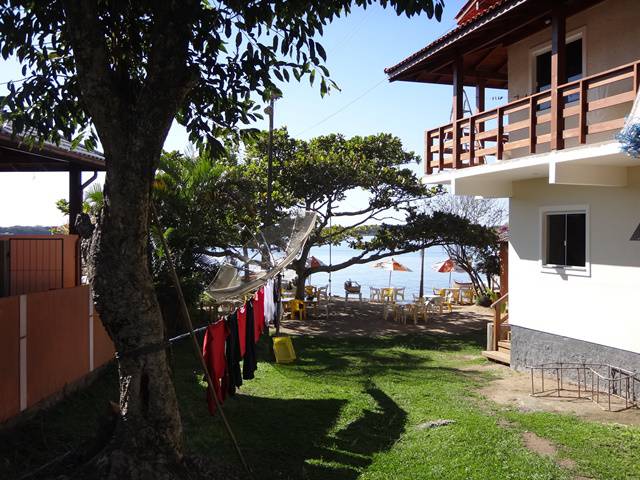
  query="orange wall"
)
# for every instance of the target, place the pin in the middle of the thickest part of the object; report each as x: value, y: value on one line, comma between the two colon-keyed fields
x: 57, y: 339
x: 9, y: 357
x: 103, y: 349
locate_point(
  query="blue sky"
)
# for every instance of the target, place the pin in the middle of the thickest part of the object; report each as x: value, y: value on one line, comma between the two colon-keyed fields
x: 358, y: 48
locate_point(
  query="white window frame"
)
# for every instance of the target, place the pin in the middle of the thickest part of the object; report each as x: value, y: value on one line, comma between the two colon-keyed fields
x: 562, y: 269
x: 546, y: 47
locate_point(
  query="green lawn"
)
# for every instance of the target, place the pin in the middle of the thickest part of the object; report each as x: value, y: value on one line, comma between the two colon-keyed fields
x: 352, y: 408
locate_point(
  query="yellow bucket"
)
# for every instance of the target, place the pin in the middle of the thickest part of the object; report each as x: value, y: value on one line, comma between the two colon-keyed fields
x: 283, y: 349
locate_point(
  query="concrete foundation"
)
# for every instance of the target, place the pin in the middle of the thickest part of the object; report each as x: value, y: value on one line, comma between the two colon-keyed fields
x: 531, y: 347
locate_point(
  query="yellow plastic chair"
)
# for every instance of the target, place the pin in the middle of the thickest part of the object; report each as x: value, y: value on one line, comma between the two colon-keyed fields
x: 387, y: 295
x: 310, y: 291
x: 297, y: 307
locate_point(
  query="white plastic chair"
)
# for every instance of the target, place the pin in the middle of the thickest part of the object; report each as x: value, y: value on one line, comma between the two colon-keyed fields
x: 398, y: 293
x: 374, y: 294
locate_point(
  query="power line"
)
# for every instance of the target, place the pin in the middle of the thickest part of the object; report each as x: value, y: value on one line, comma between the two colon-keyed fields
x: 343, y: 108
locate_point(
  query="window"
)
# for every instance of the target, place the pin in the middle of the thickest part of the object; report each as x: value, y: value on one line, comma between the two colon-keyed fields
x: 566, y: 239
x: 573, y: 66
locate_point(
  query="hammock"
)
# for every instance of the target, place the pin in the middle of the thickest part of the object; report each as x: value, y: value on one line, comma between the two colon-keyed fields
x: 629, y: 136
x: 267, y: 254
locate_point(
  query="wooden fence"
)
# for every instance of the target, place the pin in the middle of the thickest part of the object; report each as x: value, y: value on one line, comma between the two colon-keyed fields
x: 47, y: 341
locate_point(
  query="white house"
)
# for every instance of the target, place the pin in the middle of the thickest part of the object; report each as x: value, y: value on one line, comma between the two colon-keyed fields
x: 572, y: 71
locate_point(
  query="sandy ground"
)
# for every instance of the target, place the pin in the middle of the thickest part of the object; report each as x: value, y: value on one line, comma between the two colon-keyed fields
x: 509, y: 387
x: 514, y: 389
x: 365, y: 319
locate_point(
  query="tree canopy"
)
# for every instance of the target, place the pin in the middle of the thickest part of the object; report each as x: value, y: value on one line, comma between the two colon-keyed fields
x: 121, y: 73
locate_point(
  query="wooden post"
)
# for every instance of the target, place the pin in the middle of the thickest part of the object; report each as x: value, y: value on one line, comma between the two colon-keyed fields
x: 472, y: 141
x: 75, y: 208
x: 458, y: 109
x: 533, y: 122
x: 582, y: 116
x: 428, y: 154
x: 496, y: 327
x: 558, y: 75
x: 500, y: 134
x: 75, y: 197
x: 441, y: 148
x: 480, y: 97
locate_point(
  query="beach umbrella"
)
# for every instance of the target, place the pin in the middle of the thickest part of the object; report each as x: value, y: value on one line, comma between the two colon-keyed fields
x: 449, y: 266
x: 391, y: 265
x: 313, y: 262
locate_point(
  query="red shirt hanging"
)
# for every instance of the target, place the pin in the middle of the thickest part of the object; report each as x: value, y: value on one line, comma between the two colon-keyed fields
x: 258, y: 313
x: 213, y: 353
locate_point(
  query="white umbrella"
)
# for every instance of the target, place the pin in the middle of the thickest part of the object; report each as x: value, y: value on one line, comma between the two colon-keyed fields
x: 391, y: 265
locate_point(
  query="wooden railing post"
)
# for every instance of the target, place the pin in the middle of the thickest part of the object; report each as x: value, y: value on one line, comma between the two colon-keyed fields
x: 533, y: 122
x: 636, y: 77
x: 500, y: 134
x: 497, y: 320
x: 496, y: 328
x: 428, y: 154
x: 472, y: 141
x: 582, y: 116
x: 441, y: 148
x: 558, y: 76
x: 456, y: 144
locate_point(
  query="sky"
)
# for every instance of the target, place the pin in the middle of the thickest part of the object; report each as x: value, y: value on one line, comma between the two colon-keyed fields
x: 358, y: 46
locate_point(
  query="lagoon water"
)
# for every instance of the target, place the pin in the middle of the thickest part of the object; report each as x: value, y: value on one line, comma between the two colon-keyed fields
x: 367, y: 276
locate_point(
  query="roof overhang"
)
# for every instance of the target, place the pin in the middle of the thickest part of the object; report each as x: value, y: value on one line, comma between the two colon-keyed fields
x: 482, y: 43
x: 18, y: 156
x: 600, y: 164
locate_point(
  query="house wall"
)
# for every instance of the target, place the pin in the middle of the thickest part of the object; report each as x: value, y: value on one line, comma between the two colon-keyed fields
x: 598, y: 307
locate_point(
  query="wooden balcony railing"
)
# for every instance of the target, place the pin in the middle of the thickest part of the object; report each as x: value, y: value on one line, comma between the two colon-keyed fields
x: 587, y: 110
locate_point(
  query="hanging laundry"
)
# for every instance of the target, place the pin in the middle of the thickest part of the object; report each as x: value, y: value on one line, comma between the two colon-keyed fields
x: 213, y: 353
x: 258, y: 314
x: 268, y: 302
x: 233, y: 355
x: 277, y: 288
x: 242, y: 328
x: 250, y: 364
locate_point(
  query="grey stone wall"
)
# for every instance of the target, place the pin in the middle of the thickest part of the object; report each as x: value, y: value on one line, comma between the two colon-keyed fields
x: 532, y: 347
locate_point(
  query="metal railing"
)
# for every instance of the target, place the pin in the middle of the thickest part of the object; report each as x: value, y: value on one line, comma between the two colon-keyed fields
x: 594, y: 380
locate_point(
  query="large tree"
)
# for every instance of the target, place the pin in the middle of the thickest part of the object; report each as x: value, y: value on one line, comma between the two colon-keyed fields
x: 476, y: 254
x: 121, y: 72
x: 320, y: 174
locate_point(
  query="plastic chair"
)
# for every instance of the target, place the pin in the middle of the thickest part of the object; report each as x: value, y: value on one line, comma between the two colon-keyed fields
x: 467, y: 296
x: 297, y: 307
x: 374, y: 294
x: 446, y: 299
x: 398, y: 293
x: 310, y: 291
x: 323, y: 292
x: 387, y: 295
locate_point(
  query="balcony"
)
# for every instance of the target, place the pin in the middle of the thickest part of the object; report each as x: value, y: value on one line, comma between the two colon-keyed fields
x: 586, y: 111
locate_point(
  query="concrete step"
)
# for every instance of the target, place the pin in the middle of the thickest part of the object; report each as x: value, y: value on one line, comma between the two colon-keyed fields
x: 501, y: 357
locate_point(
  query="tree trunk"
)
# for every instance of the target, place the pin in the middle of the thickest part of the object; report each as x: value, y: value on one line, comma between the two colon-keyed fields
x: 300, y: 271
x: 149, y: 430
